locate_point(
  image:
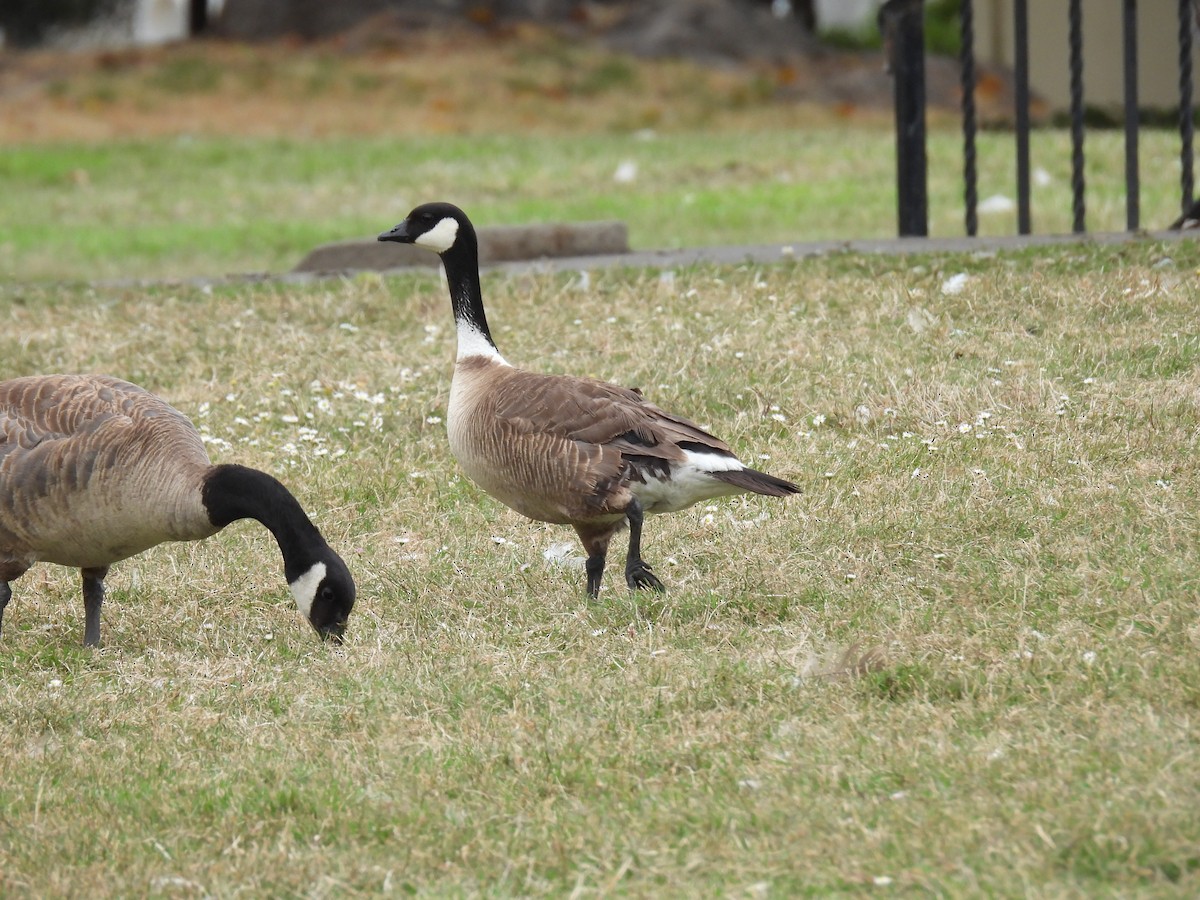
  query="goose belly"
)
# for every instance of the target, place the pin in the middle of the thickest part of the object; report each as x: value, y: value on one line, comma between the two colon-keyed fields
x: 543, y: 486
x: 518, y: 486
x: 81, y: 543
x: 97, y: 526
x: 85, y: 537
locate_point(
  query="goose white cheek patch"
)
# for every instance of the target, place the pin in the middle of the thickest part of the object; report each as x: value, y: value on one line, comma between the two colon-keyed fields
x: 304, y: 588
x: 440, y: 237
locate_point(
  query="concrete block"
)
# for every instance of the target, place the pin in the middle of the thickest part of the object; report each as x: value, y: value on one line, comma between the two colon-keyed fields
x: 497, y: 243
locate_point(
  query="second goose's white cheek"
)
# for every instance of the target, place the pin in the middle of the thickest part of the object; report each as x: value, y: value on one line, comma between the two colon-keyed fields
x: 440, y: 237
x: 304, y: 588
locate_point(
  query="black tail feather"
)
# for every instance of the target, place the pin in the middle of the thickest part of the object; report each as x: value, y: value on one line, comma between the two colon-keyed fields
x: 758, y: 482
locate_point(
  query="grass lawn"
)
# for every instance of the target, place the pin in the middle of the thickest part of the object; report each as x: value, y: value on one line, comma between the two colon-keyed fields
x: 965, y: 661
x: 173, y: 207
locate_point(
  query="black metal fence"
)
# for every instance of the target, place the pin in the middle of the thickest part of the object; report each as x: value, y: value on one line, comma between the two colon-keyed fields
x: 902, y: 24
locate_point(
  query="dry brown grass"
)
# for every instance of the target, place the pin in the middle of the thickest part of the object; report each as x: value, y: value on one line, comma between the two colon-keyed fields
x: 963, y: 662
x: 457, y: 82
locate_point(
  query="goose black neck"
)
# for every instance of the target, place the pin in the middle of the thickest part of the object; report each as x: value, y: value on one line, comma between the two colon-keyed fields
x: 462, y: 274
x: 236, y: 492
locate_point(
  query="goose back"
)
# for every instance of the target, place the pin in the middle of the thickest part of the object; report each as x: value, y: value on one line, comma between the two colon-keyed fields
x: 93, y: 470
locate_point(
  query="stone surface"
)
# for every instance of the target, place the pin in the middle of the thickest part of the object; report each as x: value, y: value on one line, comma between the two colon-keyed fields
x: 497, y: 243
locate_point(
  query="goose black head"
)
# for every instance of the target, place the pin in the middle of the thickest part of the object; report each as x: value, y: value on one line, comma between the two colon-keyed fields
x: 434, y: 226
x: 325, y: 595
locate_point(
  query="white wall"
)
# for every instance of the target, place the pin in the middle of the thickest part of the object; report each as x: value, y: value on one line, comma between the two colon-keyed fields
x: 160, y: 21
x: 847, y: 15
x: 1103, y: 84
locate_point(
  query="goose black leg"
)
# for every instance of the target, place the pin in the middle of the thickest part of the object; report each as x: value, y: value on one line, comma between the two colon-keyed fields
x: 595, y: 571
x: 595, y: 537
x: 93, y: 598
x: 637, y: 571
x: 5, y: 596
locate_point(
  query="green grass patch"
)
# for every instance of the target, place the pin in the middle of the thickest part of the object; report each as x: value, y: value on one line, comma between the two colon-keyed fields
x: 209, y: 206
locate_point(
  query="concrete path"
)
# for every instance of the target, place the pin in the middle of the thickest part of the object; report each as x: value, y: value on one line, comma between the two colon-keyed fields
x: 774, y: 253
x: 756, y: 254
x: 764, y: 254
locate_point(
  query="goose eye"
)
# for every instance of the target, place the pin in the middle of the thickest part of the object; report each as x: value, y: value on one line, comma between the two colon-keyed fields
x: 327, y: 594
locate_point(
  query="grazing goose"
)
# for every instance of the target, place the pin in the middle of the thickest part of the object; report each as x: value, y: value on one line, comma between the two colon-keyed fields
x: 94, y: 470
x: 561, y: 449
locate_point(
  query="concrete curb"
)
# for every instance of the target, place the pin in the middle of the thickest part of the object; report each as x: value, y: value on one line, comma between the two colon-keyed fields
x: 763, y: 254
x: 753, y: 254
x: 497, y: 243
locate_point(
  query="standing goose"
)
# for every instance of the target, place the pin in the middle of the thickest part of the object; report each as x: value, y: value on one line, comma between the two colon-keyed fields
x: 561, y: 449
x: 94, y: 470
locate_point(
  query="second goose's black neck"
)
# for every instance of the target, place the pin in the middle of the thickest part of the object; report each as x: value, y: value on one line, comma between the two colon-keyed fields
x: 235, y: 492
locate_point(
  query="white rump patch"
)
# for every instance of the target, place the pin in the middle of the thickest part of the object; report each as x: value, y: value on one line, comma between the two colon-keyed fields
x: 712, y: 462
x: 690, y: 482
x: 440, y: 237
x: 304, y: 588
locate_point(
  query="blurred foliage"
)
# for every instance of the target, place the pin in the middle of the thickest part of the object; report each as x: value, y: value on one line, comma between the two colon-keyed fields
x: 942, y: 33
x: 28, y: 22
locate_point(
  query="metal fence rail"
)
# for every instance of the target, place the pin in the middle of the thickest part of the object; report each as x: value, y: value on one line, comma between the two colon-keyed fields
x: 1186, y: 121
x: 902, y: 25
x: 1075, y: 39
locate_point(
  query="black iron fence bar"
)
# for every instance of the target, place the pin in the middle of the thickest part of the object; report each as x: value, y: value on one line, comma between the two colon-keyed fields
x: 903, y: 25
x: 1132, y: 211
x: 1075, y: 34
x: 970, y: 174
x: 1021, y: 76
x: 1186, y: 122
x: 197, y: 16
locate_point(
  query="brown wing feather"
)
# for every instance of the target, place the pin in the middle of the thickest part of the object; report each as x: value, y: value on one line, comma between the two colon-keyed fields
x: 577, y: 408
x: 596, y: 412
x: 92, y: 467
x: 42, y: 407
